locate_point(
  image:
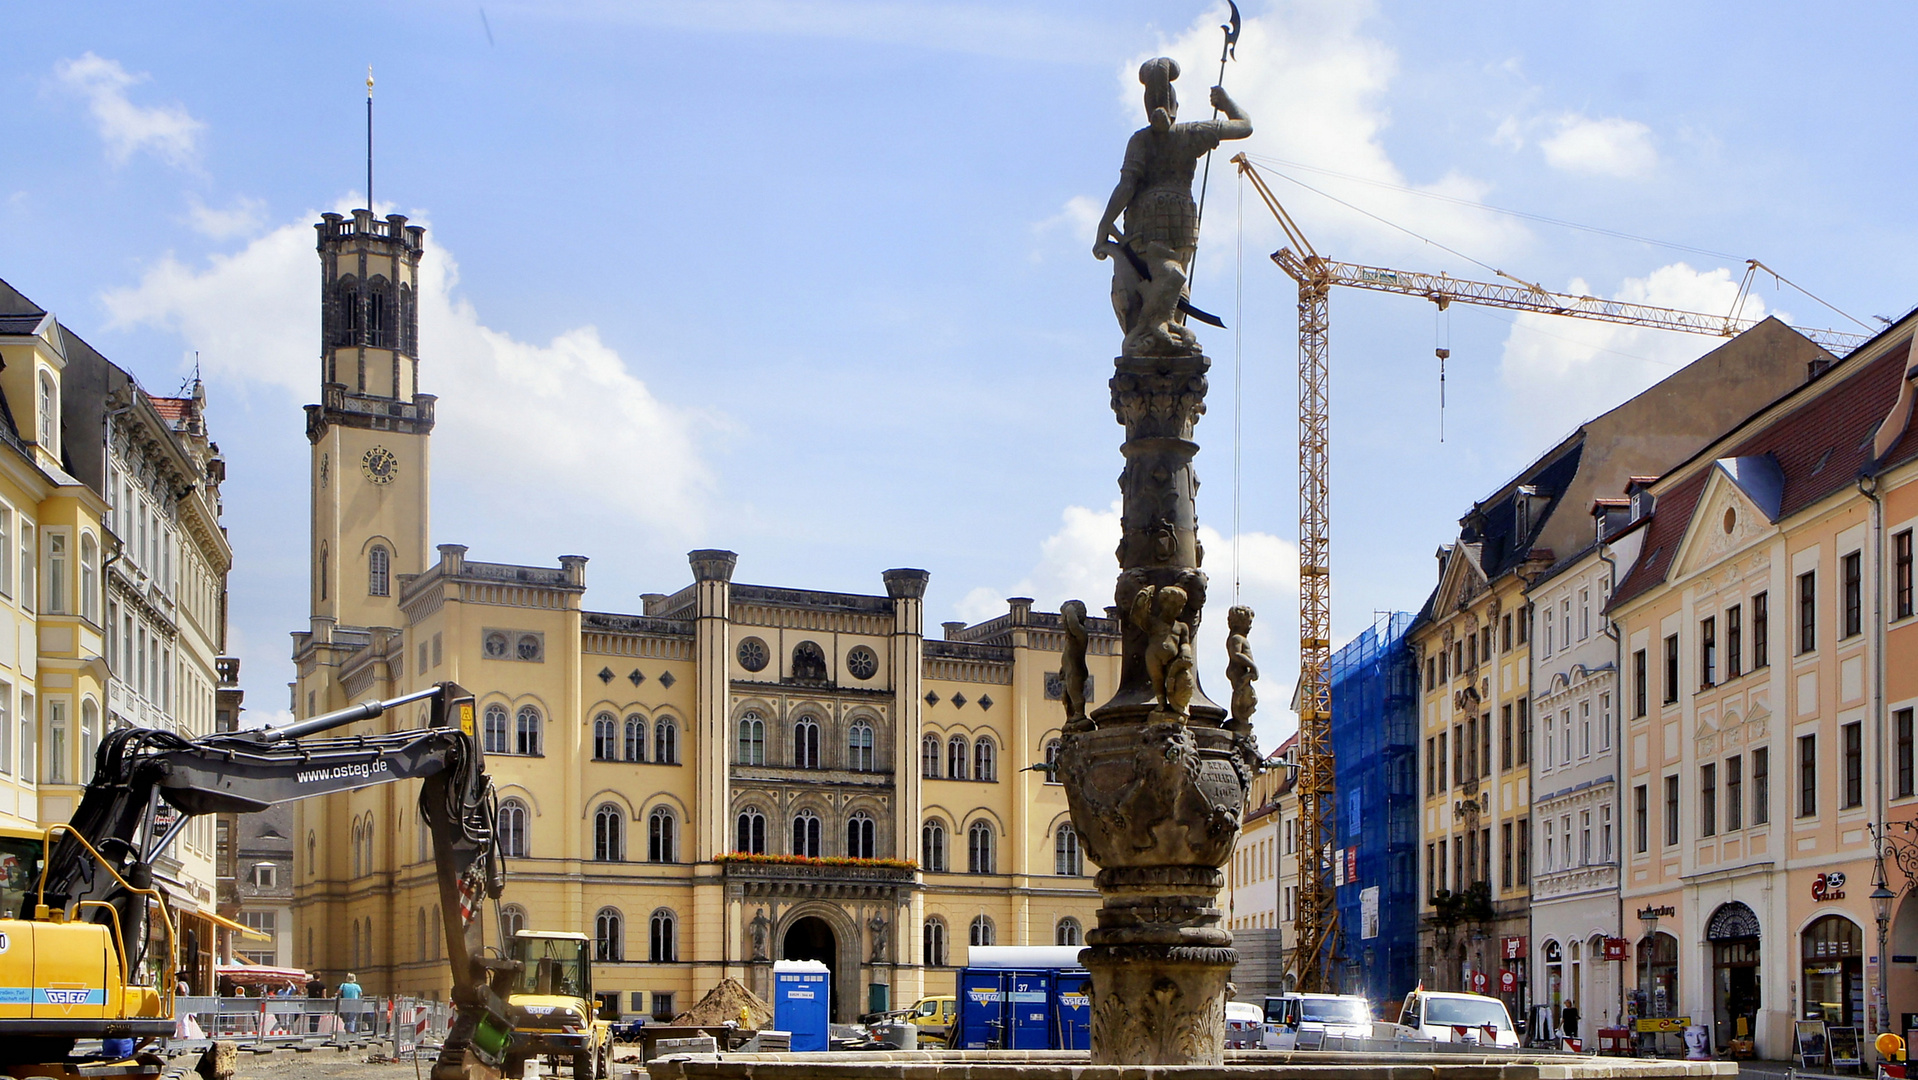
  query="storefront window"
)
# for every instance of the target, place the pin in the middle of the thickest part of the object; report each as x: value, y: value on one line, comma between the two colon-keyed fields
x: 1834, y: 980
x: 1554, y: 976
x: 1658, y: 975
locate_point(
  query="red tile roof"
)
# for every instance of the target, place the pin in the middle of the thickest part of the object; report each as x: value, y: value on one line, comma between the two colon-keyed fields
x: 172, y: 409
x: 1820, y: 447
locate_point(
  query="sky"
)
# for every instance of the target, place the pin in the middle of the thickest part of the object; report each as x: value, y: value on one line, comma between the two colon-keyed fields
x: 812, y: 280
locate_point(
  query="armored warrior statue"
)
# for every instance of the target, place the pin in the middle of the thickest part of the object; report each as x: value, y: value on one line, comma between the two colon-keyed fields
x: 1152, y: 256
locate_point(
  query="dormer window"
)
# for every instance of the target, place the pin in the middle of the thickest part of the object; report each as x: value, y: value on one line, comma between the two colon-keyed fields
x: 49, y: 409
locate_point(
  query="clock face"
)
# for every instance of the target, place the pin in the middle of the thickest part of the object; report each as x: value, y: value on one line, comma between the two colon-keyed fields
x: 379, y: 465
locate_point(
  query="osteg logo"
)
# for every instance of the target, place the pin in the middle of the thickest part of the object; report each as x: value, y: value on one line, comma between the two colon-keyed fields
x: 66, y: 995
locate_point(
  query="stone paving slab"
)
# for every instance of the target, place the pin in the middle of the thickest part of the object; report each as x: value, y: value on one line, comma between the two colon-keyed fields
x: 1074, y: 1065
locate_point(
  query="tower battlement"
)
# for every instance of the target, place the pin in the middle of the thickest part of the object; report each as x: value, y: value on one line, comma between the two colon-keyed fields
x: 362, y: 225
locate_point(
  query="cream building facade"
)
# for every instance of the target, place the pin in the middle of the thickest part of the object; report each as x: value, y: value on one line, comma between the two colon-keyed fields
x: 733, y: 775
x: 113, y: 567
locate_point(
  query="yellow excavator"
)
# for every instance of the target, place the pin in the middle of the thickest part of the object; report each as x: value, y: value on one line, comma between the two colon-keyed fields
x: 87, y: 942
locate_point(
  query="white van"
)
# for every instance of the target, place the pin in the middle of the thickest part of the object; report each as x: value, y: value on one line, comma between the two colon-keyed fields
x: 1460, y: 1018
x: 1244, y: 1026
x: 1302, y: 1021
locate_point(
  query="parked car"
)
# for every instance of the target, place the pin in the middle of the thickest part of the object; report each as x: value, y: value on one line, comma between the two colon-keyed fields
x: 933, y: 1015
x: 1462, y: 1018
x: 1244, y: 1026
x: 1302, y: 1021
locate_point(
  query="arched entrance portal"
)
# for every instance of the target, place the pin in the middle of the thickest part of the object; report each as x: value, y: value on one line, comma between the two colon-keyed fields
x: 811, y: 939
x: 1733, y: 933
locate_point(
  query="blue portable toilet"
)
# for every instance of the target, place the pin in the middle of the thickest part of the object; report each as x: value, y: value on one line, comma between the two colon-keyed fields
x: 802, y: 1002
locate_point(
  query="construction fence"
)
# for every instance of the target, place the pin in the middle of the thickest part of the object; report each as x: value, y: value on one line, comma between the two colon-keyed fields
x: 406, y: 1022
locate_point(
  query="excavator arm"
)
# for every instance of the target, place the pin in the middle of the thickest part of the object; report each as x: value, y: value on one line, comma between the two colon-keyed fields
x: 148, y: 784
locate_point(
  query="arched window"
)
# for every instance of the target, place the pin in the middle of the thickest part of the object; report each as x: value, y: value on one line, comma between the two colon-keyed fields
x: 752, y: 739
x: 378, y: 575
x: 806, y: 744
x: 496, y: 740
x: 861, y: 836
x: 377, y: 314
x: 347, y: 328
x: 751, y: 832
x: 663, y: 948
x: 859, y: 747
x: 979, y: 849
x: 322, y: 569
x: 353, y: 945
x: 527, y: 734
x: 420, y: 924
x: 956, y: 757
x: 660, y: 827
x: 356, y: 847
x: 89, y: 737
x: 1067, y: 932
x: 985, y: 765
x: 605, y: 738
x: 512, y: 829
x: 935, y: 942
x: 609, y: 935
x: 809, y: 662
x: 929, y: 757
x: 89, y: 579
x: 635, y: 738
x: 408, y: 330
x: 1066, y: 860
x: 932, y: 846
x: 981, y: 931
x: 666, y: 741
x: 806, y: 834
x: 1052, y: 760
x: 609, y: 839
x: 512, y: 919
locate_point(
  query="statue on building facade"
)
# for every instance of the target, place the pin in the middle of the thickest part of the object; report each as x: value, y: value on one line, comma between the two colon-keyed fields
x: 877, y: 924
x: 759, y: 926
x: 1153, y: 254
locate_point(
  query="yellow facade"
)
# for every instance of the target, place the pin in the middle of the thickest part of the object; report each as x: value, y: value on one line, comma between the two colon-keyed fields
x: 877, y: 780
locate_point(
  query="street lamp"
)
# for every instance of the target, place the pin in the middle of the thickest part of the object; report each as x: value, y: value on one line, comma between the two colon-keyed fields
x: 1881, y: 899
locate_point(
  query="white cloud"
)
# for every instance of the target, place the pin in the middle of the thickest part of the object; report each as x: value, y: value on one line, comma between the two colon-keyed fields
x: 1560, y: 372
x: 567, y: 422
x: 1076, y: 563
x: 1609, y: 146
x: 1315, y: 86
x: 168, y: 132
x: 1071, y: 228
x: 243, y: 218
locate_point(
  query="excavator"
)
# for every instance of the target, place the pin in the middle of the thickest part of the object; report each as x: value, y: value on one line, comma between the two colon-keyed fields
x: 87, y: 940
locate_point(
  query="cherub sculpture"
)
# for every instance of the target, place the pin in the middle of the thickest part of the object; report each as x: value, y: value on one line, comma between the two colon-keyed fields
x: 1168, y: 652
x: 1072, y: 666
x: 1240, y: 671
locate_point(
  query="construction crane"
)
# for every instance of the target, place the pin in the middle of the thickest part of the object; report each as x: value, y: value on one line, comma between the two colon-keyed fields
x: 1316, y: 918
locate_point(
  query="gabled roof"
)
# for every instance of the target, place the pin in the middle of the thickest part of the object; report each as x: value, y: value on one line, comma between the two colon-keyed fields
x: 1796, y: 460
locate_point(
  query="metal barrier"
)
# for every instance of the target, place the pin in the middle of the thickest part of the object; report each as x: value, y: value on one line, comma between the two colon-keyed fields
x: 407, y: 1022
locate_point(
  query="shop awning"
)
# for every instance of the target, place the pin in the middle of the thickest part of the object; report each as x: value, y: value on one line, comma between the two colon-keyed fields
x: 221, y: 920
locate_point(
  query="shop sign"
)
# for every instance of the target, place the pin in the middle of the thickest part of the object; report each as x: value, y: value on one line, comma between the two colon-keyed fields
x: 1513, y: 948
x: 1828, y: 886
x: 1615, y: 948
x: 1478, y: 982
x: 1507, y: 981
x: 1663, y: 1025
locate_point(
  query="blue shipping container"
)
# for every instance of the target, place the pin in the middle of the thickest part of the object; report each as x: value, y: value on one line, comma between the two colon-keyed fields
x: 1012, y: 1009
x: 802, y: 1002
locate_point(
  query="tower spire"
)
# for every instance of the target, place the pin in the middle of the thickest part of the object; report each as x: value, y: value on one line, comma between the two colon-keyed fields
x: 369, y: 136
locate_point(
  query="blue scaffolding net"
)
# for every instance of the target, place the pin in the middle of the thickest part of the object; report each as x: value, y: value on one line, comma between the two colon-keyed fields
x: 1375, y: 866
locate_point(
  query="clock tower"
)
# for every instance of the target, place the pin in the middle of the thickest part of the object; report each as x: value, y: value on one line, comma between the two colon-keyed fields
x: 369, y: 431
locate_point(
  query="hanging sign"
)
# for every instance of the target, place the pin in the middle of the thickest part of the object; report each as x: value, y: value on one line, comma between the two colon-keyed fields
x: 1507, y: 981
x: 1513, y: 948
x: 1616, y: 948
x: 1478, y: 982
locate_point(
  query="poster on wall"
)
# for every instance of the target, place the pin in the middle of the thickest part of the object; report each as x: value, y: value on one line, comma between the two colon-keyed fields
x: 1811, y: 1043
x: 1844, y: 1046
x: 1369, y: 912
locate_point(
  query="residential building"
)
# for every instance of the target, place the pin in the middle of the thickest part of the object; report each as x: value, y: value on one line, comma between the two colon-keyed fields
x: 1475, y: 639
x: 111, y: 499
x: 733, y: 775
x: 1576, y: 699
x: 1257, y: 888
x: 1762, y: 749
x: 1375, y: 682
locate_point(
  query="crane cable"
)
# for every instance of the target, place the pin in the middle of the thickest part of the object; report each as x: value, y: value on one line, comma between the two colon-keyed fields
x: 1238, y: 387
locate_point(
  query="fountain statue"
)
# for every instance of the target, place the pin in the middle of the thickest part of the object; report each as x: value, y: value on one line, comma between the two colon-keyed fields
x: 1157, y: 775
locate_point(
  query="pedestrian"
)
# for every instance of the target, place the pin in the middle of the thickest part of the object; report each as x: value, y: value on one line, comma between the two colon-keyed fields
x: 1568, y: 1019
x: 350, y: 991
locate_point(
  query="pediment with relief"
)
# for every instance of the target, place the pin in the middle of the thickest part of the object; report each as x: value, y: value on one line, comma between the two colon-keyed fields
x: 1463, y: 580
x: 1730, y: 515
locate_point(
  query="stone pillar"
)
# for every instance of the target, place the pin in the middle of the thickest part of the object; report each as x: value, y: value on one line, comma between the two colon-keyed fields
x: 907, y: 589
x: 1156, y: 782
x: 711, y: 736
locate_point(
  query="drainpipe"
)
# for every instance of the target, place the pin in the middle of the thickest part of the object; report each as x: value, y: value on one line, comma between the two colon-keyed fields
x: 1618, y: 751
x: 1868, y: 487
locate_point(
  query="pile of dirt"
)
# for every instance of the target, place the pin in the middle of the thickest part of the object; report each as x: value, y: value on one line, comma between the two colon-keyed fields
x: 724, y: 1003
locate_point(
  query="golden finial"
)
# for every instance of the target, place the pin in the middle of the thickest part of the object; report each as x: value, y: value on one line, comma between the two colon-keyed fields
x: 369, y: 82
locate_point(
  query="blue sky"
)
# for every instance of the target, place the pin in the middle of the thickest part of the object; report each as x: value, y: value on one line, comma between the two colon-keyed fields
x: 811, y: 280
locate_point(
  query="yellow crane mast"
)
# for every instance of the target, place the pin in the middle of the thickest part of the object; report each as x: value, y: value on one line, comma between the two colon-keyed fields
x: 1316, y: 916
